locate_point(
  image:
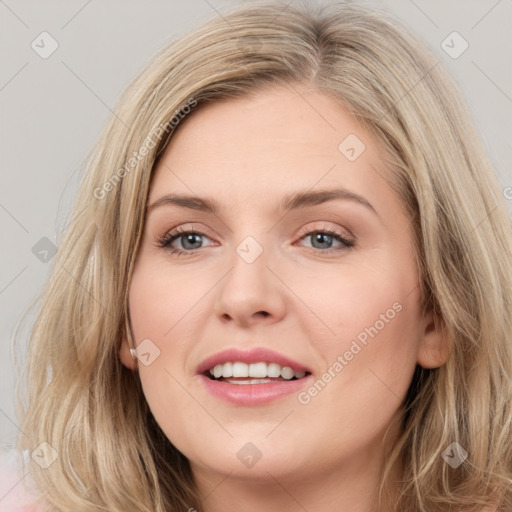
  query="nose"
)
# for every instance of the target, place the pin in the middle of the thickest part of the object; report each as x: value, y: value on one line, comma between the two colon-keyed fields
x: 252, y: 290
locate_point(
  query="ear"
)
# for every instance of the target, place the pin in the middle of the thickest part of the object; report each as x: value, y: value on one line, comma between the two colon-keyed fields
x: 434, y: 347
x: 125, y: 355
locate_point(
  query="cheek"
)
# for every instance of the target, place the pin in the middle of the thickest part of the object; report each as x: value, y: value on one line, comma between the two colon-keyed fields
x: 365, y: 329
x: 367, y: 368
x: 164, y: 306
x: 159, y: 304
x: 160, y: 299
x: 363, y: 302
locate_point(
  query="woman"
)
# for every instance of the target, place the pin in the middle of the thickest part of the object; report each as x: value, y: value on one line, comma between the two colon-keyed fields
x: 260, y: 369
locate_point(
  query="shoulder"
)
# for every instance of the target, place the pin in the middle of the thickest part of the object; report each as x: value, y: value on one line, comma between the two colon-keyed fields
x: 15, y: 492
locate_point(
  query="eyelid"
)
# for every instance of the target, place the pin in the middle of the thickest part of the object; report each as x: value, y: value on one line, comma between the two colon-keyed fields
x: 306, y: 230
x: 181, y: 229
x: 174, y: 234
x: 192, y: 226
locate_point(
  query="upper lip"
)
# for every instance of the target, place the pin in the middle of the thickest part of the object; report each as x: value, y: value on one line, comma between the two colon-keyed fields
x: 254, y: 355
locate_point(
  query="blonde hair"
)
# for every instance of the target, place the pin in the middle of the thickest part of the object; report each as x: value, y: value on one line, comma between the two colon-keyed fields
x: 91, y: 409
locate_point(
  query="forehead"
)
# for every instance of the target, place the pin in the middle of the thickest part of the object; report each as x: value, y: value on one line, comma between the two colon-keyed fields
x: 269, y: 122
x: 268, y: 145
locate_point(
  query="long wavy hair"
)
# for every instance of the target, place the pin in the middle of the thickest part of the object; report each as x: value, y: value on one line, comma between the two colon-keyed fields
x: 75, y: 394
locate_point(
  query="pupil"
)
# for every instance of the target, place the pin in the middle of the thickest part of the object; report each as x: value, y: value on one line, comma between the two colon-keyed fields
x: 190, y: 238
x: 320, y: 237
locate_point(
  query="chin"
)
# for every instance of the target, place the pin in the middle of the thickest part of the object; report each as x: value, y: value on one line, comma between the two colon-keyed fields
x: 248, y: 456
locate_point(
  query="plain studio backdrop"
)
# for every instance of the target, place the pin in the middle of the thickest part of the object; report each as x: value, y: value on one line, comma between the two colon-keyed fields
x: 64, y: 65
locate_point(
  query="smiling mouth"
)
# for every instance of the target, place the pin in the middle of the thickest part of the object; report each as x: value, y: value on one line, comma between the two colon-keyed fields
x: 253, y: 384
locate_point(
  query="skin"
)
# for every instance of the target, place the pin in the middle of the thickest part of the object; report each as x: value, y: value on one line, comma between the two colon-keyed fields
x: 300, y: 298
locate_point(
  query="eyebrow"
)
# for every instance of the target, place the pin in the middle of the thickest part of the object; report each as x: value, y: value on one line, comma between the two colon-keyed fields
x: 293, y: 201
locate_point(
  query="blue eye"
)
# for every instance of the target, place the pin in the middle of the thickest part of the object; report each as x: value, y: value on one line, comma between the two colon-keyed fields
x: 193, y: 237
x: 326, y: 236
x: 187, y: 236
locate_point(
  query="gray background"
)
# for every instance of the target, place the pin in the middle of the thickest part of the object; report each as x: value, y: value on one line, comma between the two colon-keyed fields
x: 52, y: 111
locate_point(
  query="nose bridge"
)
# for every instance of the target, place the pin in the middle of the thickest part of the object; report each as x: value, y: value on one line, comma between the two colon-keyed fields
x: 251, y: 248
x: 249, y: 264
x: 251, y: 237
x: 250, y: 287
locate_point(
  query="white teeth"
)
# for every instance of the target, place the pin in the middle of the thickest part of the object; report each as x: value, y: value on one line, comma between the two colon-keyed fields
x: 287, y: 373
x: 240, y: 370
x: 227, y: 370
x: 256, y: 370
x: 273, y: 370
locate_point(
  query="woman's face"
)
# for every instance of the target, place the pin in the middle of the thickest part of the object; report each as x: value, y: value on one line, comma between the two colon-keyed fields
x: 259, y: 274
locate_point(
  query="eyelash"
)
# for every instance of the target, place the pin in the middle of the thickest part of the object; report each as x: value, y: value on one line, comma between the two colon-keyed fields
x: 165, y: 240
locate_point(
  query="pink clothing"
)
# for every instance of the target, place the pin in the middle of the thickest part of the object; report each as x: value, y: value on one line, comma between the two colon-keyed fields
x: 15, y: 495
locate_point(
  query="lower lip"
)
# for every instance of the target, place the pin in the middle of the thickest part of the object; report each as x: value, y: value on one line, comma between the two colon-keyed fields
x: 253, y: 394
